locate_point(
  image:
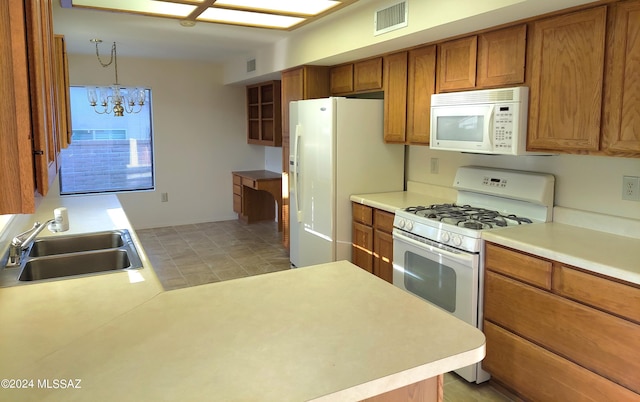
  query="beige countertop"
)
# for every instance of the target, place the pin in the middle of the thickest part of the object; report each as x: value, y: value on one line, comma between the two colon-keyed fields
x: 597, y: 248
x: 330, y: 332
x: 596, y: 251
x: 397, y: 200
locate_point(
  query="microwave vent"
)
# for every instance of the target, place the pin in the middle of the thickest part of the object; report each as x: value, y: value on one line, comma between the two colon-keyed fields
x: 515, y: 94
x: 390, y: 18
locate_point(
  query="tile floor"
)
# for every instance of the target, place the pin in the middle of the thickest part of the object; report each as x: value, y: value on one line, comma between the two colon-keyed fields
x: 190, y: 255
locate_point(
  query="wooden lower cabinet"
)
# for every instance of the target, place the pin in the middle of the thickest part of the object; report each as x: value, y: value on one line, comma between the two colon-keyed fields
x: 539, y: 375
x: 570, y: 341
x: 362, y: 244
x: 429, y: 390
x: 372, y: 242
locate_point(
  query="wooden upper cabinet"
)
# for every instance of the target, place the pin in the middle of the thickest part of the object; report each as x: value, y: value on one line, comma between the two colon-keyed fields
x: 16, y: 172
x: 367, y: 75
x: 501, y: 57
x: 342, y: 79
x: 566, y: 77
x: 621, y: 122
x: 395, y: 97
x: 63, y: 108
x: 361, y: 76
x: 40, y: 51
x: 457, y: 64
x: 264, y: 114
x: 421, y: 82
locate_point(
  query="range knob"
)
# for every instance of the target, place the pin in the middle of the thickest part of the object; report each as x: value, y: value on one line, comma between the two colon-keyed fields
x: 445, y: 237
x: 409, y: 225
x: 401, y: 223
x: 457, y: 240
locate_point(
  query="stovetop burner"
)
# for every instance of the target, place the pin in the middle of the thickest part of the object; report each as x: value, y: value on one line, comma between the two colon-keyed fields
x: 467, y: 216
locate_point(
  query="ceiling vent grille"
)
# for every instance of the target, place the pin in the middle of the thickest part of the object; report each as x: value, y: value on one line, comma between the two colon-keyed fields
x: 390, y: 18
x: 251, y: 65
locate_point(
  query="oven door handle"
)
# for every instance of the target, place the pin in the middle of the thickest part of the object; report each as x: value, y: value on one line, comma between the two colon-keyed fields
x: 462, y: 256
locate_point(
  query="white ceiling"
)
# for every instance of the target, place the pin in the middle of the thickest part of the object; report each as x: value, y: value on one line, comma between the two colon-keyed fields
x: 153, y: 37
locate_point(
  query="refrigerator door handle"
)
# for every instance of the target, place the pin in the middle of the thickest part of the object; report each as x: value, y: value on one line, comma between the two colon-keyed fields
x: 296, y: 166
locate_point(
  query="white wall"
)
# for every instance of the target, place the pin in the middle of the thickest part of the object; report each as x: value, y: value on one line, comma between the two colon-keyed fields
x: 589, y: 183
x: 348, y: 35
x: 199, y: 134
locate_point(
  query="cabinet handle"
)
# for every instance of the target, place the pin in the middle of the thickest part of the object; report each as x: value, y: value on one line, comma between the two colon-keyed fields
x: 38, y: 152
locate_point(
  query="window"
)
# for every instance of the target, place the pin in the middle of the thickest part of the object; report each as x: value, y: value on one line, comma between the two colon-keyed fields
x: 107, y: 153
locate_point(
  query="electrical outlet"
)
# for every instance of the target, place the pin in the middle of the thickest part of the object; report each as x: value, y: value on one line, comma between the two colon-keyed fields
x: 164, y: 197
x: 434, y: 165
x: 631, y: 188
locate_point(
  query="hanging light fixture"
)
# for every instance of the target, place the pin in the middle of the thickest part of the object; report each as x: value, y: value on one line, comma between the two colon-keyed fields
x: 114, y: 98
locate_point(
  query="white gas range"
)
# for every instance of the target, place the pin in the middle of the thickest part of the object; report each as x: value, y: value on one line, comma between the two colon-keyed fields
x: 438, y: 249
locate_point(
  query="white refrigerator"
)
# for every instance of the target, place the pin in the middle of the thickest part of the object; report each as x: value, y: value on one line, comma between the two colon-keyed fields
x: 336, y: 150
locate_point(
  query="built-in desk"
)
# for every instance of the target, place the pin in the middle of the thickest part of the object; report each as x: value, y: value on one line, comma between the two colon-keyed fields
x: 254, y: 195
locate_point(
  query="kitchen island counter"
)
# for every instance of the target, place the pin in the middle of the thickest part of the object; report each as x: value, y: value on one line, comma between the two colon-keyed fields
x: 328, y: 332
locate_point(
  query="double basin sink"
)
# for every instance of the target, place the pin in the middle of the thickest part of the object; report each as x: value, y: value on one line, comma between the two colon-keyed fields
x: 83, y: 254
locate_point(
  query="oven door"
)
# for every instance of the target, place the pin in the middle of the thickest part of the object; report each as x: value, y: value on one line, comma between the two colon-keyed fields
x: 441, y: 275
x: 445, y: 277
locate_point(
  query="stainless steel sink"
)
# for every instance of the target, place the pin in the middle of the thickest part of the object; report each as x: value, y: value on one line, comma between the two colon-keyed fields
x: 79, y: 263
x: 76, y: 243
x: 82, y: 254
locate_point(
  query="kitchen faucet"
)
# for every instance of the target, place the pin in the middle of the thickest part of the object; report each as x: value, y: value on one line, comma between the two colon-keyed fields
x: 22, y: 242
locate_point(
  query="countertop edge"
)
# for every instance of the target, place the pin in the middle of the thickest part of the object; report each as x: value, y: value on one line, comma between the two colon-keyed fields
x: 406, y: 377
x: 504, y: 238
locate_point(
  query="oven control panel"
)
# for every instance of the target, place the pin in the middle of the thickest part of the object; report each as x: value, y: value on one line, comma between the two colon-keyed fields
x: 494, y: 181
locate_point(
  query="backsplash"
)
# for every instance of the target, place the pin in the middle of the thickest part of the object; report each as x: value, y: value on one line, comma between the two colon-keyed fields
x: 588, y: 183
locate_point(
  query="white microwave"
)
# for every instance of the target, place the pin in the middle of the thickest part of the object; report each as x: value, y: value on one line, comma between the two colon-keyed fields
x: 492, y: 121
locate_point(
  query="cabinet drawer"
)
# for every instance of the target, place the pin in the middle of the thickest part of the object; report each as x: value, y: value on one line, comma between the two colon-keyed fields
x: 237, y: 179
x: 540, y: 375
x: 248, y: 182
x: 526, y: 268
x: 362, y: 213
x: 237, y: 189
x: 607, y: 345
x: 383, y: 220
x: 617, y: 298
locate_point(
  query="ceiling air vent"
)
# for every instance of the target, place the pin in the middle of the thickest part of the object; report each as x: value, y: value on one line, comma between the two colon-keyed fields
x: 390, y: 18
x: 251, y: 65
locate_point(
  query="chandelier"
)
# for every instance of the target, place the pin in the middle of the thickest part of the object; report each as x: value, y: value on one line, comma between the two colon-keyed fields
x: 115, y: 98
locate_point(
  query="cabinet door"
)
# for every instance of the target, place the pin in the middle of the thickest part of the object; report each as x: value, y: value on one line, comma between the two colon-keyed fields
x: 342, y: 79
x: 16, y: 165
x: 621, y: 124
x: 41, y: 69
x: 383, y: 244
x: 457, y: 64
x: 63, y: 110
x: 383, y: 255
x: 362, y: 244
x: 420, y: 86
x: 367, y: 75
x: 501, y: 56
x: 395, y: 97
x: 566, y: 81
